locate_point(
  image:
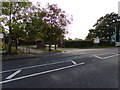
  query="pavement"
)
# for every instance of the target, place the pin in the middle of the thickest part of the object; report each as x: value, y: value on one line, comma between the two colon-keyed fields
x: 35, y: 53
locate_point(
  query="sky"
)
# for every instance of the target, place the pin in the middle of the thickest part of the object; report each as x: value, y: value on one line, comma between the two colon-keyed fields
x: 85, y: 13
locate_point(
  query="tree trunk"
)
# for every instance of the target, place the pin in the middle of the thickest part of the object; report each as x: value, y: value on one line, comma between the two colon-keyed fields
x: 55, y: 46
x: 16, y: 43
x: 10, y: 32
x: 49, y: 47
x: 29, y: 46
x: 10, y: 44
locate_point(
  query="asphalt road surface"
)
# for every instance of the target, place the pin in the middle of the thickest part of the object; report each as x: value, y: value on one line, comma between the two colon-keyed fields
x: 79, y: 69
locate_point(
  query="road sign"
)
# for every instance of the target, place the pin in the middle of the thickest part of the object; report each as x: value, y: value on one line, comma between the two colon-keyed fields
x: 96, y: 40
x: 117, y: 43
x: 113, y: 38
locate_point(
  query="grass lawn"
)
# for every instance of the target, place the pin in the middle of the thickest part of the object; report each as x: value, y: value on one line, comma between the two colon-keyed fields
x: 58, y: 50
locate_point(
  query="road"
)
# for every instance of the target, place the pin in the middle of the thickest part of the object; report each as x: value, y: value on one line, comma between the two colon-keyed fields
x: 76, y: 68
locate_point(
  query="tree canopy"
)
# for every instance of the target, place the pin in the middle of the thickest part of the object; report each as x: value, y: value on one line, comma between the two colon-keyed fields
x: 55, y: 24
x: 105, y: 27
x: 29, y: 22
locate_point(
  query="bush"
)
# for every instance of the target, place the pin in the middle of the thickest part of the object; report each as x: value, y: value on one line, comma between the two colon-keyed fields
x: 4, y: 46
x: 106, y: 43
x: 85, y: 44
x: 14, y: 51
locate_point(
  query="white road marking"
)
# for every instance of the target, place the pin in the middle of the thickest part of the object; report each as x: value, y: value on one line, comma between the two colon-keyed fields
x: 106, y: 57
x: 73, y: 62
x: 33, y: 66
x: 97, y: 57
x: 40, y: 73
x: 110, y: 56
x: 12, y: 75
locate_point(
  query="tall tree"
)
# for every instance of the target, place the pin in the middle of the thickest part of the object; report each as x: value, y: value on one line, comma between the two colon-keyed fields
x: 56, y: 21
x: 33, y: 23
x: 12, y: 11
x: 105, y: 27
x: 91, y: 34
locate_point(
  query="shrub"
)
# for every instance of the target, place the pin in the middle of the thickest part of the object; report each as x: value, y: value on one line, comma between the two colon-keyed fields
x: 85, y: 44
x: 4, y: 46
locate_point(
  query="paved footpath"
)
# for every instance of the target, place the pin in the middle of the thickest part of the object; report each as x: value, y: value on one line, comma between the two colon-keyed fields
x: 33, y: 53
x: 37, y: 53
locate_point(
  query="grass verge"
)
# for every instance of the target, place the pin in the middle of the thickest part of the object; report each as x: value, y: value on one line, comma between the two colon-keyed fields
x: 58, y: 50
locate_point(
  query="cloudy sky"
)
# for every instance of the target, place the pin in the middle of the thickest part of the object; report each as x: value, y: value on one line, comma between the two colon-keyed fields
x: 85, y: 13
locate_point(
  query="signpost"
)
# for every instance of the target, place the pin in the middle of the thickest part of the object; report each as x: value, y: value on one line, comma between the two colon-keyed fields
x: 113, y: 37
x: 96, y: 41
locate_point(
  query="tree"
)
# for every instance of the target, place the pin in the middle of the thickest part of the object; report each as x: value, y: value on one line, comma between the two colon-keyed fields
x: 29, y: 23
x: 105, y: 27
x: 55, y: 24
x: 91, y: 34
x: 12, y: 11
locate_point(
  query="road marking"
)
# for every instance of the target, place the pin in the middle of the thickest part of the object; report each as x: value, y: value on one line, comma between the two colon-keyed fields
x: 98, y: 57
x: 12, y: 75
x: 33, y: 66
x: 110, y: 56
x: 40, y: 73
x: 106, y: 57
x: 73, y: 62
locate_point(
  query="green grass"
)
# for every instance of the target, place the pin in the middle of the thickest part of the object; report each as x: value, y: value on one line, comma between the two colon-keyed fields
x: 58, y: 50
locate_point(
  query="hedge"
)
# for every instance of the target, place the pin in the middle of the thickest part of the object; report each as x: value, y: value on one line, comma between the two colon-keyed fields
x: 85, y: 44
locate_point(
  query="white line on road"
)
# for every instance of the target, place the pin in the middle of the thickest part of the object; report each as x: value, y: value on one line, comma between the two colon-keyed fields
x: 98, y: 57
x: 106, y: 57
x: 73, y: 62
x: 45, y: 72
x: 12, y: 75
x: 110, y: 56
x: 33, y: 66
